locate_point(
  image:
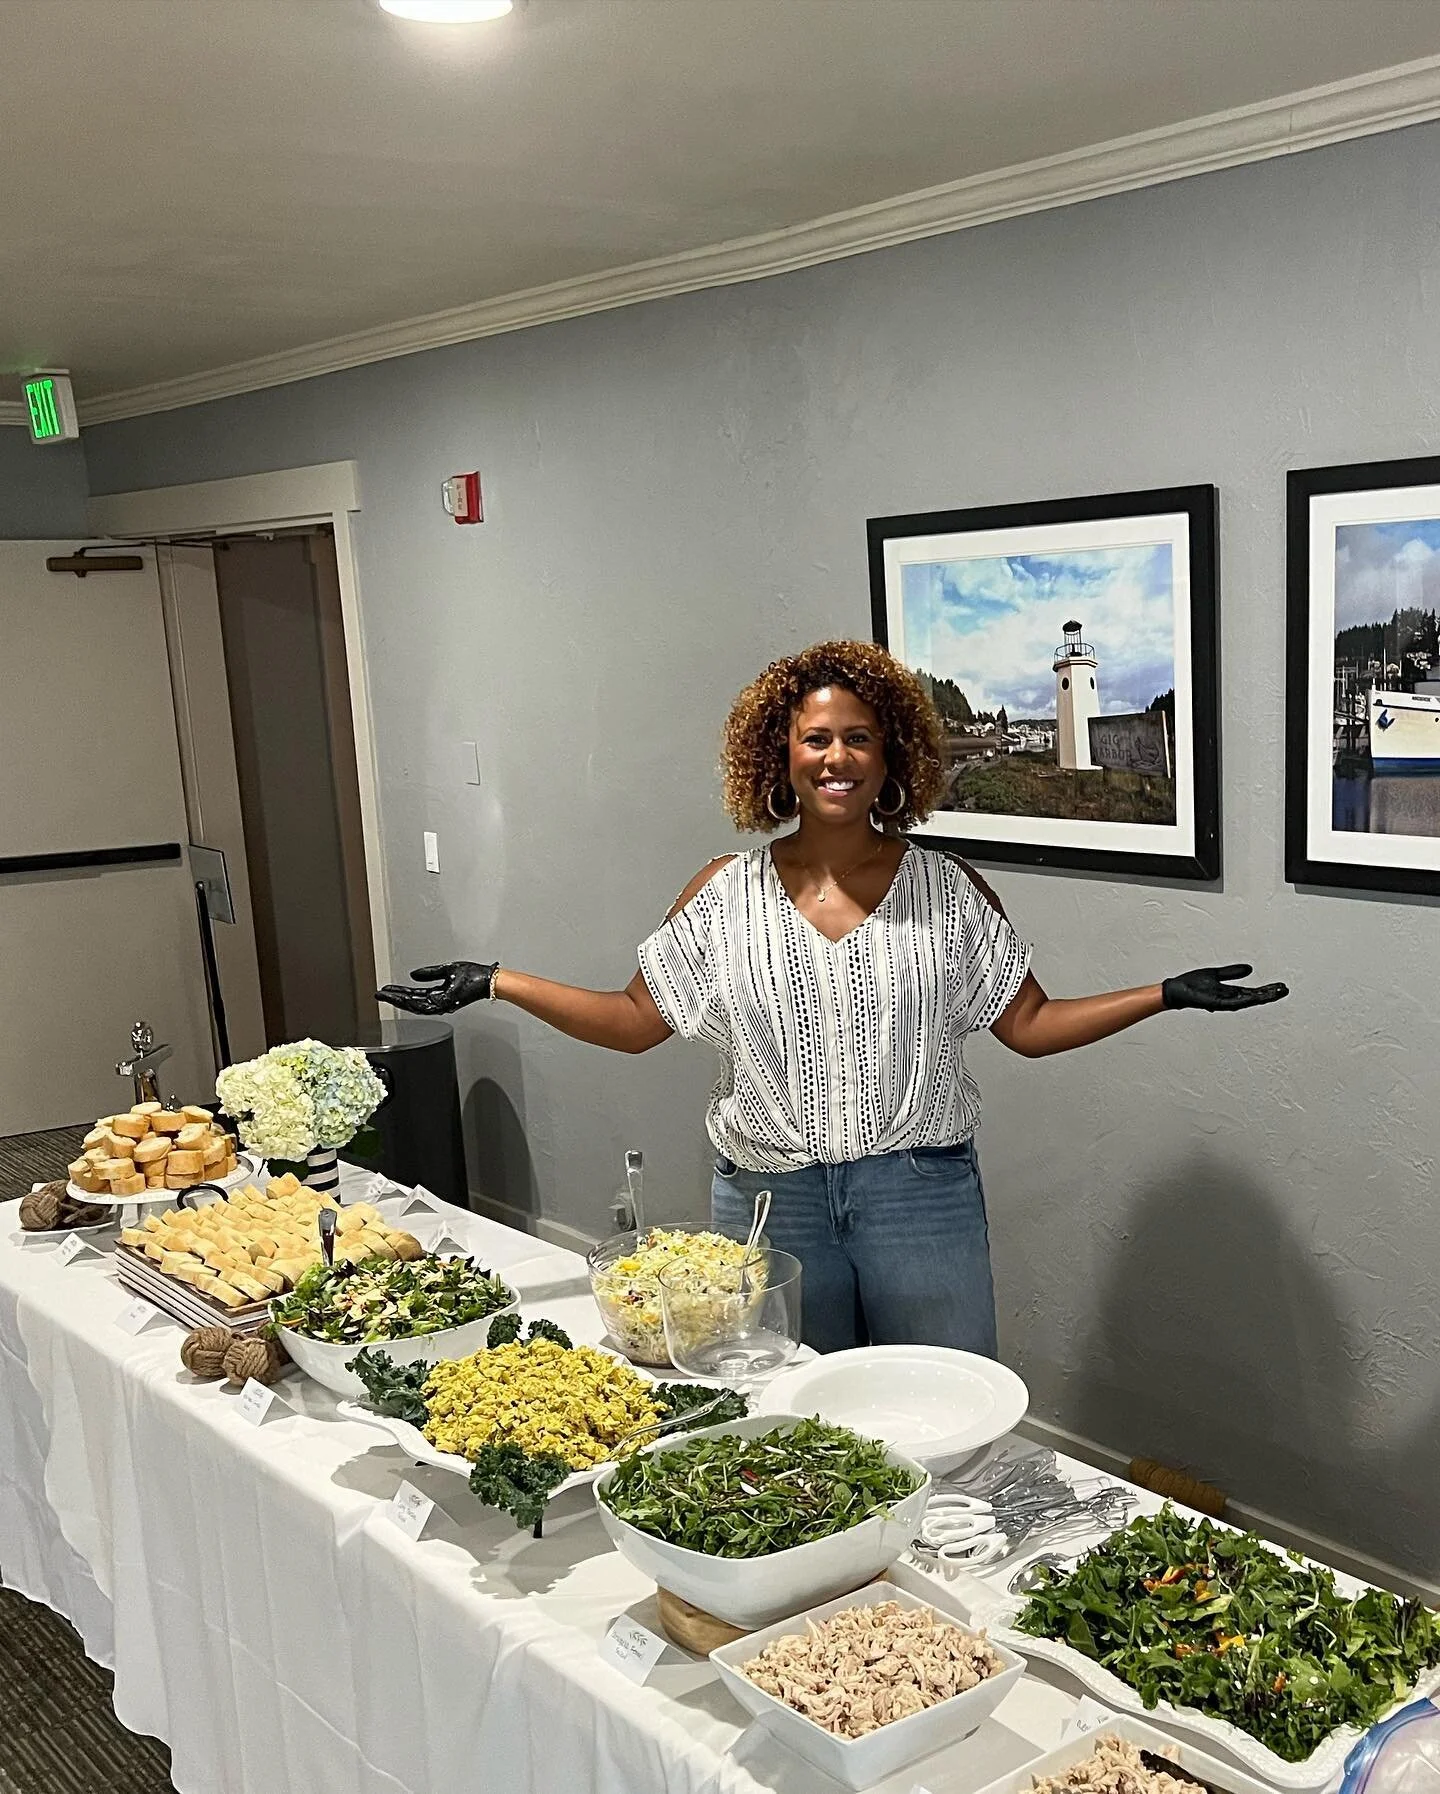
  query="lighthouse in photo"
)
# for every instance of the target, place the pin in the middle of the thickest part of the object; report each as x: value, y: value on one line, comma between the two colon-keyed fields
x: 1077, y: 699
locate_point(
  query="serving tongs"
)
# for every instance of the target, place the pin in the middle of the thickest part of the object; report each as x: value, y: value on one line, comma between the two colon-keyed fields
x: 671, y: 1423
x: 325, y: 1221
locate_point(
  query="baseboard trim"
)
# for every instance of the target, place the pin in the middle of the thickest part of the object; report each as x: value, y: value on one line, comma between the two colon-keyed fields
x: 554, y: 1233
x: 1239, y: 1513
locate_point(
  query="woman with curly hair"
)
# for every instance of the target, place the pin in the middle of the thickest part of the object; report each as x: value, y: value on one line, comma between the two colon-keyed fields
x: 838, y: 971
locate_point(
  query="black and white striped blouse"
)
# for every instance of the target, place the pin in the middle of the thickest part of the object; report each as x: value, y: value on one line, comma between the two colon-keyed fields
x: 834, y: 1050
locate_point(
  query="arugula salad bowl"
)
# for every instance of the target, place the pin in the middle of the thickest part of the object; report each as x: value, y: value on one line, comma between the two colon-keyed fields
x: 756, y: 1590
x: 414, y: 1337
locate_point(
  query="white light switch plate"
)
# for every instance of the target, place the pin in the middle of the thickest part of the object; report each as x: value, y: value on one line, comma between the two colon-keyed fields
x: 470, y: 762
x: 432, y: 851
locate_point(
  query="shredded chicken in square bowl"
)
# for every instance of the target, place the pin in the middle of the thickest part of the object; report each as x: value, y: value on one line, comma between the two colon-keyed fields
x: 867, y: 1666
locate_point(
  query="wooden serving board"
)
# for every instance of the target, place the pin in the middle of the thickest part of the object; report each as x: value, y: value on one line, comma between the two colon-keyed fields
x: 692, y: 1628
x: 695, y: 1630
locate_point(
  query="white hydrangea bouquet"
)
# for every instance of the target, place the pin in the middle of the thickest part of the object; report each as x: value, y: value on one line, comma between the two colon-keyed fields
x: 300, y: 1102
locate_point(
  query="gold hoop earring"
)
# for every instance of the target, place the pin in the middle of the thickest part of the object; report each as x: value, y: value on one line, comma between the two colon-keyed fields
x: 880, y: 809
x: 781, y: 815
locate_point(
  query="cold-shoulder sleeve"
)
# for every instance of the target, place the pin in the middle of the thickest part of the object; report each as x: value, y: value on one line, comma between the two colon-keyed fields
x: 678, y: 964
x: 993, y: 957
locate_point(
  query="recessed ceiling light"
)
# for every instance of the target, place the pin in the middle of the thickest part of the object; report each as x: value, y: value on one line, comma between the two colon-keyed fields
x: 448, y: 12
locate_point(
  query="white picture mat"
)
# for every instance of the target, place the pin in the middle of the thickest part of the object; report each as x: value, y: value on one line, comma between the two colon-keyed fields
x: 1172, y: 528
x: 1328, y: 512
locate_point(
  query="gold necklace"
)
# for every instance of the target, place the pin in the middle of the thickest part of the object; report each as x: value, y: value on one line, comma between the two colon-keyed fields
x: 822, y: 891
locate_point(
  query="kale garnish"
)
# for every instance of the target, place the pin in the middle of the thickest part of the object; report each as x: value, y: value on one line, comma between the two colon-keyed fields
x: 507, y: 1478
x: 394, y: 1389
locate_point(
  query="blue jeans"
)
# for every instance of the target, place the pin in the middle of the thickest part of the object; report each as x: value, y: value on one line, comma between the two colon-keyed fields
x: 895, y: 1248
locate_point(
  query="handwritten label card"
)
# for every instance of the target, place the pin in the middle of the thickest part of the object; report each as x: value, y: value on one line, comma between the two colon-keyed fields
x: 255, y: 1402
x: 632, y: 1648
x: 69, y: 1250
x: 409, y: 1510
x: 1087, y: 1717
x: 136, y: 1316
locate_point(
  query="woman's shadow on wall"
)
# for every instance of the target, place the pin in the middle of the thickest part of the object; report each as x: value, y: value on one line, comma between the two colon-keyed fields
x: 1219, y: 1346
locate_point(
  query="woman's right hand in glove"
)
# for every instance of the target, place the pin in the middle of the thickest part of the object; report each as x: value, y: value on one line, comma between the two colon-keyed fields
x: 451, y: 987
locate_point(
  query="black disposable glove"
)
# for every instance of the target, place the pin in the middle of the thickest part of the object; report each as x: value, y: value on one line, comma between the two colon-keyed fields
x: 1210, y: 988
x: 454, y: 985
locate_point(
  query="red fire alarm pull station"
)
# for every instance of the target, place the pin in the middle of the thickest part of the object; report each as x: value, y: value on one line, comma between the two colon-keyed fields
x: 461, y: 493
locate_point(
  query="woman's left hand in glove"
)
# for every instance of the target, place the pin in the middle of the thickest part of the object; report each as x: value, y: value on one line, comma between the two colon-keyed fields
x: 1213, y: 988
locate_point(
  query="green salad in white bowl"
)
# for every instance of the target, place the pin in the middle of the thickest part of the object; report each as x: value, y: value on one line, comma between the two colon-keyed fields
x: 422, y: 1310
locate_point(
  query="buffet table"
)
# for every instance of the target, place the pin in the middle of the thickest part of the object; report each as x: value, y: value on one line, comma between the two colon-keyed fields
x: 267, y: 1619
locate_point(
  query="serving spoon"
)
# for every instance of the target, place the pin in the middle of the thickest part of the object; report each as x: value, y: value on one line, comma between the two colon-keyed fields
x: 635, y: 1178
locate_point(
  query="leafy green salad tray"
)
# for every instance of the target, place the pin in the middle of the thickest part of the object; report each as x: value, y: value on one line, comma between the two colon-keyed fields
x: 1280, y: 1661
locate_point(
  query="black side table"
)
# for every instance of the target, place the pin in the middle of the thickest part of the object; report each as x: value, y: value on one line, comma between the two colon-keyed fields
x: 419, y: 1122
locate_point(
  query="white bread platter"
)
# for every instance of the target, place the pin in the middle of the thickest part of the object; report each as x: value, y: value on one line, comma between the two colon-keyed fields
x: 247, y: 1170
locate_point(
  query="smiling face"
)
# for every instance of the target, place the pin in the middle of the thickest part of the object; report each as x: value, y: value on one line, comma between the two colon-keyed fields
x: 837, y: 755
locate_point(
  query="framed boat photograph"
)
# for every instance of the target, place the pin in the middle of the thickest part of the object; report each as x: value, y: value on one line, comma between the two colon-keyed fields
x: 1362, y: 704
x: 1070, y: 649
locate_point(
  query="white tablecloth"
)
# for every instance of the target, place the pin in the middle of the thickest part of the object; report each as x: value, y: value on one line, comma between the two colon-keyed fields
x: 265, y: 1618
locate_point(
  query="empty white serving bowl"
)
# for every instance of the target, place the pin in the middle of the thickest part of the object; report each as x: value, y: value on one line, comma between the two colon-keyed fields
x: 861, y: 1762
x: 935, y: 1405
x: 326, y: 1362
x: 753, y: 1591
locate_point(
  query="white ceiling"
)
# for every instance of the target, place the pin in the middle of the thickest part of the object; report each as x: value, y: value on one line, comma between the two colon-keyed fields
x: 193, y: 183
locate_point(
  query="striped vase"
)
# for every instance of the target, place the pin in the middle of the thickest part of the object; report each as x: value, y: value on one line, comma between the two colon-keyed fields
x: 322, y: 1169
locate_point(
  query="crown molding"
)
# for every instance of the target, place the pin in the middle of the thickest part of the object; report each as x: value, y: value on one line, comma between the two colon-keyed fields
x: 12, y: 411
x: 1385, y: 100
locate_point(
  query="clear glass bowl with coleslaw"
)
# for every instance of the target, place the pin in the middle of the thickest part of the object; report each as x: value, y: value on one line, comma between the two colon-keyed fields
x: 624, y: 1280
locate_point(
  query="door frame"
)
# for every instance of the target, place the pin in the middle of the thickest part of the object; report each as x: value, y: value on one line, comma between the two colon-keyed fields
x: 325, y: 493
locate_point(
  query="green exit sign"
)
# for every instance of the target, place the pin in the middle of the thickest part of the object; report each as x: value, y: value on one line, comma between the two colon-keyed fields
x: 50, y: 406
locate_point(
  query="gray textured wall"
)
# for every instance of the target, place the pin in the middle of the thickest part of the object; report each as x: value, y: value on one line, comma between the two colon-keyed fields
x: 42, y: 490
x: 1214, y: 1238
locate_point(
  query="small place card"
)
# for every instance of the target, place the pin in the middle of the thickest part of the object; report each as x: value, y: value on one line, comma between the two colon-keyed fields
x: 420, y: 1198
x: 375, y: 1187
x: 136, y: 1316
x: 632, y: 1648
x: 445, y: 1240
x: 919, y: 1788
x: 409, y: 1510
x: 1087, y: 1717
x: 69, y: 1250
x: 255, y: 1402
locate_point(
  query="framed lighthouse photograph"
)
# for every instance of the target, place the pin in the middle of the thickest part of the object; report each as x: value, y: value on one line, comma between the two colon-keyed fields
x: 1070, y: 649
x: 1362, y: 773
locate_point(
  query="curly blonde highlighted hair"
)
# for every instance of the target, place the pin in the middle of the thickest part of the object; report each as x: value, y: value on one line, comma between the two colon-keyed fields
x: 755, y: 757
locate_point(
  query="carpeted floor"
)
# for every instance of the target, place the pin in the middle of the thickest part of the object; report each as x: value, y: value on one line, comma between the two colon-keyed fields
x: 27, y: 1159
x: 58, y: 1730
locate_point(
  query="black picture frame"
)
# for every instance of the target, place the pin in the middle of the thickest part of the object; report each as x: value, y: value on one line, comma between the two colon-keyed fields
x: 1305, y: 861
x: 1199, y: 858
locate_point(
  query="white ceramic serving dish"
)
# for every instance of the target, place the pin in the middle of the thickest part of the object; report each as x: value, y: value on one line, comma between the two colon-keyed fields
x: 754, y: 1591
x: 412, y: 1441
x: 1189, y: 1758
x: 936, y: 1405
x: 997, y: 1612
x: 326, y: 1362
x: 861, y: 1762
x: 246, y: 1171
